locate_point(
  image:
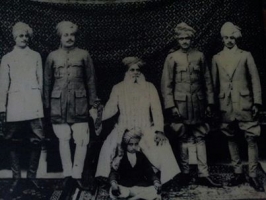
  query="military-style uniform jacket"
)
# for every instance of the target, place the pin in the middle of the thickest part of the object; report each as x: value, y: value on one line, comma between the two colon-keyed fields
x: 21, y: 84
x: 186, y: 84
x: 69, y: 85
x: 237, y: 84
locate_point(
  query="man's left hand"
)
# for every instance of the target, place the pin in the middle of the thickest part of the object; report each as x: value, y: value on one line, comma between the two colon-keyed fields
x: 255, y: 111
x: 160, y: 138
x: 157, y: 186
x: 209, y: 111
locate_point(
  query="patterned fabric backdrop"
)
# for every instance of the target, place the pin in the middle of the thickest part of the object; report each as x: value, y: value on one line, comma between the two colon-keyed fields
x: 145, y: 28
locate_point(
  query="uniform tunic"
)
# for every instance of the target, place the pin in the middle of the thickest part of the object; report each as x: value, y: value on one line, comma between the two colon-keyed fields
x: 69, y: 86
x: 186, y: 84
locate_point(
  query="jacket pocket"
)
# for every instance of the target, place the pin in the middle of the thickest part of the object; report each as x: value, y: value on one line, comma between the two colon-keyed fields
x: 81, y: 103
x: 181, y: 102
x: 181, y: 73
x: 56, y: 104
x: 245, y: 100
x: 59, y: 71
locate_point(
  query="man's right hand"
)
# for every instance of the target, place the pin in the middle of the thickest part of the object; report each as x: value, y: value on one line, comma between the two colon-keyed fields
x: 175, y: 113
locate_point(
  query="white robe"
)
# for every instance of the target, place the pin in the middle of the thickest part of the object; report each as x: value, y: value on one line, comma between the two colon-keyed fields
x: 139, y: 107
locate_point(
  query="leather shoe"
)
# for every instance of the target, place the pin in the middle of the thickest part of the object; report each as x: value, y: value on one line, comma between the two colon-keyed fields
x: 207, y: 181
x: 33, y: 184
x: 81, y: 185
x: 14, y: 186
x: 237, y: 179
x: 256, y: 184
x: 68, y: 181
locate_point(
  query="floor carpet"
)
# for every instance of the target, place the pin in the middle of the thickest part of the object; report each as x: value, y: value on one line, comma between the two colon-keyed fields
x: 52, y: 189
x: 221, y: 173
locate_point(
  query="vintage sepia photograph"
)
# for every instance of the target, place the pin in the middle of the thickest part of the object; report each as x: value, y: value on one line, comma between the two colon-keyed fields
x: 132, y: 99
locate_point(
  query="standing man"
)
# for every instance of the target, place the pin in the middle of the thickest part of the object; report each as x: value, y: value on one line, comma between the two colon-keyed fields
x: 188, y: 95
x: 237, y: 85
x: 69, y: 90
x: 21, y: 85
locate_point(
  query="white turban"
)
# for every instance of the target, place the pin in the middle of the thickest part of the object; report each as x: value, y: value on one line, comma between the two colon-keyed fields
x: 128, y: 61
x: 64, y: 25
x: 130, y: 134
x: 184, y: 28
x: 230, y: 29
x: 20, y: 26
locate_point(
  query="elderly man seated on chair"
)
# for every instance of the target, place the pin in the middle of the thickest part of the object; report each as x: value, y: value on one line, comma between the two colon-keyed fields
x: 138, y: 104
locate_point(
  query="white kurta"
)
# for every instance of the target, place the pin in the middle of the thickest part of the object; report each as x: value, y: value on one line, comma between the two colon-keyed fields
x: 21, y: 83
x: 139, y: 107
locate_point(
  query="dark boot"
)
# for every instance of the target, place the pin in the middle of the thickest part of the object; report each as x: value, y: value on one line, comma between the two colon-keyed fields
x: 81, y: 185
x: 207, y: 181
x: 33, y: 166
x: 14, y: 187
x: 15, y: 167
x: 256, y: 184
x: 34, y: 161
x: 237, y: 179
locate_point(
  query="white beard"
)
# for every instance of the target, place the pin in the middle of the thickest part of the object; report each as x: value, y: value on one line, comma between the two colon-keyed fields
x: 134, y: 80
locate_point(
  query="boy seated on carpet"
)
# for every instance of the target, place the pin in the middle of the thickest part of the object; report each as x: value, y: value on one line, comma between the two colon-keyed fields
x: 132, y: 175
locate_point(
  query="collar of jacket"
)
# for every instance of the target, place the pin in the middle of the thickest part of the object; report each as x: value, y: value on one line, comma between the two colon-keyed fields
x: 190, y: 50
x: 67, y: 49
x: 21, y: 50
x: 233, y: 50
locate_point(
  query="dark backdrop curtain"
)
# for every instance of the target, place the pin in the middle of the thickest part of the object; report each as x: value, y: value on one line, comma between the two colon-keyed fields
x: 113, y: 31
